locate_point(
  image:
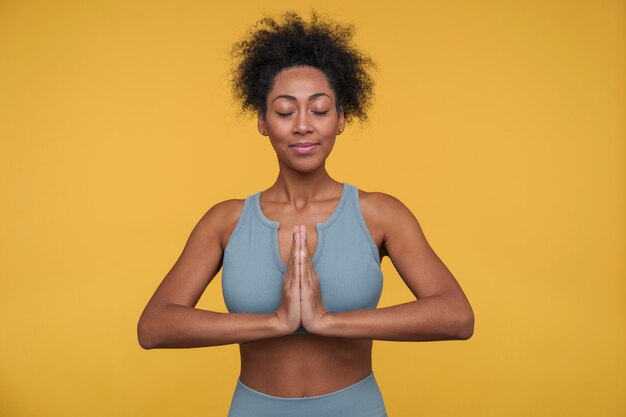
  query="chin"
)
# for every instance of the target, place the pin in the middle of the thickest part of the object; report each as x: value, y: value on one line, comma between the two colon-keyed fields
x: 307, y: 165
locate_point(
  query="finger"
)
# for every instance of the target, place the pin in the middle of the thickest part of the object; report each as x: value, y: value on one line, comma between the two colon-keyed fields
x: 304, y: 241
x: 305, y: 253
x: 296, y: 252
x: 308, y: 274
x: 291, y: 260
x: 293, y: 241
x: 309, y: 259
x: 305, y: 257
x: 297, y: 245
x: 298, y: 268
x: 308, y: 251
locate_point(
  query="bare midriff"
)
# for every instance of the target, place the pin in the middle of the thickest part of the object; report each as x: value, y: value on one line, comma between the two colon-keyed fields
x: 304, y: 364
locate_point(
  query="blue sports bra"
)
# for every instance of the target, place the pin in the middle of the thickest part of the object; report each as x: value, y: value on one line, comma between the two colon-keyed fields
x: 346, y: 260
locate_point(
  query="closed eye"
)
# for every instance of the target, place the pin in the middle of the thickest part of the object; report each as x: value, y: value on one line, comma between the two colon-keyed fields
x: 321, y: 113
x: 283, y: 114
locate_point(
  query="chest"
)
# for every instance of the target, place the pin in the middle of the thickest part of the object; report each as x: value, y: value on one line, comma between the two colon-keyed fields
x: 284, y: 236
x: 345, y: 256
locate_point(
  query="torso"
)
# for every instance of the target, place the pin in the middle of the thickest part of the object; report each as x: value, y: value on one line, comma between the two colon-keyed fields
x: 305, y: 364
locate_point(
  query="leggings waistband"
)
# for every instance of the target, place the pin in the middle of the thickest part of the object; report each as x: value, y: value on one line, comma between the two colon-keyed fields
x: 309, y: 398
x: 361, y: 399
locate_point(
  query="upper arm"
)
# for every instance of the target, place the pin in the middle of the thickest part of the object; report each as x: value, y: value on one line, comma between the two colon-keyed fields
x: 201, y: 258
x: 416, y: 262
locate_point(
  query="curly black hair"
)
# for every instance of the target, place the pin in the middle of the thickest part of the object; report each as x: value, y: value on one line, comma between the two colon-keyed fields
x: 275, y: 44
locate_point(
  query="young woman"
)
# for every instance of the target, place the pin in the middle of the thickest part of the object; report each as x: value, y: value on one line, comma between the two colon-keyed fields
x: 301, y: 260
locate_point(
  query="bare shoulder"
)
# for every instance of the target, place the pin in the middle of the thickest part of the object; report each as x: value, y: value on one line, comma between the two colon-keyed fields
x: 386, y: 216
x: 384, y: 209
x: 222, y: 218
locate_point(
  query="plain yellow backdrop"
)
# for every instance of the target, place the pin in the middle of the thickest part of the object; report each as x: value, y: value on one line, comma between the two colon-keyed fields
x: 499, y: 124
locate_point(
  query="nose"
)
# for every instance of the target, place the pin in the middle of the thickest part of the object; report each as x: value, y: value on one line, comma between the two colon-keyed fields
x: 302, y: 123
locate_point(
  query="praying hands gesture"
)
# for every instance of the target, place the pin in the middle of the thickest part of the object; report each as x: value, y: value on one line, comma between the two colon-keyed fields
x: 440, y: 310
x: 301, y: 299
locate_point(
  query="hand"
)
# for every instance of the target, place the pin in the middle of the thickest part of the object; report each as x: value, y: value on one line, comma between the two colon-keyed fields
x: 288, y: 313
x: 312, y: 308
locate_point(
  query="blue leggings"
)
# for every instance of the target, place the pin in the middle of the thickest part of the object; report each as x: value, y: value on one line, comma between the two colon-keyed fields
x: 361, y: 399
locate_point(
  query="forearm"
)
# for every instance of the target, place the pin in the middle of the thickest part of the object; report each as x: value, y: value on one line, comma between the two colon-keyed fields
x: 426, y: 319
x: 178, y: 326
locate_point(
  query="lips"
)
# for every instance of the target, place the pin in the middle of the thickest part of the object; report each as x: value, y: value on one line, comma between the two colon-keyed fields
x: 303, y: 144
x: 304, y: 147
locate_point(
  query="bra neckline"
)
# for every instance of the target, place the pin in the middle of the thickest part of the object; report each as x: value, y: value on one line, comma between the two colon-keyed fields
x: 276, y: 224
x: 320, y: 227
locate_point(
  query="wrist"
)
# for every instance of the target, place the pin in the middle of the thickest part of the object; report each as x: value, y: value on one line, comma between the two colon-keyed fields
x: 324, y: 326
x: 279, y: 327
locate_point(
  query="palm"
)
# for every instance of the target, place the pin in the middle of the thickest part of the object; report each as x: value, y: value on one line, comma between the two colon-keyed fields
x: 311, y: 305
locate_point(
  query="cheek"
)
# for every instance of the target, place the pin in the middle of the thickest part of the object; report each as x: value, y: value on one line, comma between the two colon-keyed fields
x: 278, y: 129
x: 329, y: 127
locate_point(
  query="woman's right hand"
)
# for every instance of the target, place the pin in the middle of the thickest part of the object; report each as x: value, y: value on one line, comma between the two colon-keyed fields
x: 288, y: 313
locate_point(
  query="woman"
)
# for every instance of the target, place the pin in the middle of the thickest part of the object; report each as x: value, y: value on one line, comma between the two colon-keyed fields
x: 301, y: 259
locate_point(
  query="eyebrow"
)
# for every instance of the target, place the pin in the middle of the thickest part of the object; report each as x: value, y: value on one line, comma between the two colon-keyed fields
x: 292, y: 98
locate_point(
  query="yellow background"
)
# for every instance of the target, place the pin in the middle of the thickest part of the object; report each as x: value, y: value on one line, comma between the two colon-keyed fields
x: 499, y: 124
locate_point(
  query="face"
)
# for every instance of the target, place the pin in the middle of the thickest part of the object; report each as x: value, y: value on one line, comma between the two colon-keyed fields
x: 301, y: 109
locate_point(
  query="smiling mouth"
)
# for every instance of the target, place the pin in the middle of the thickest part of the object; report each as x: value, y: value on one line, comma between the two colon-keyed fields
x: 300, y: 149
x: 303, y: 145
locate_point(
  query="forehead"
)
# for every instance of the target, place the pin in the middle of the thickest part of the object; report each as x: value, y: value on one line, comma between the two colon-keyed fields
x: 300, y: 81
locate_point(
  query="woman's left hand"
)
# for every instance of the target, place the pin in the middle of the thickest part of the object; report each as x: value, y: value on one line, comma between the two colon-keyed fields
x: 312, y: 308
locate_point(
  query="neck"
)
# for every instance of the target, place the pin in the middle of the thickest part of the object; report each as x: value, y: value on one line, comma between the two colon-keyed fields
x: 300, y: 188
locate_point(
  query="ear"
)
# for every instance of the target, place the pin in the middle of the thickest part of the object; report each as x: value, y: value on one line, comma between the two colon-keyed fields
x: 262, y: 126
x: 341, y: 123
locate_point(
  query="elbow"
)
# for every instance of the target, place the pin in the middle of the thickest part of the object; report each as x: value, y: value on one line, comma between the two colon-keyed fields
x: 146, y: 334
x: 465, y: 325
